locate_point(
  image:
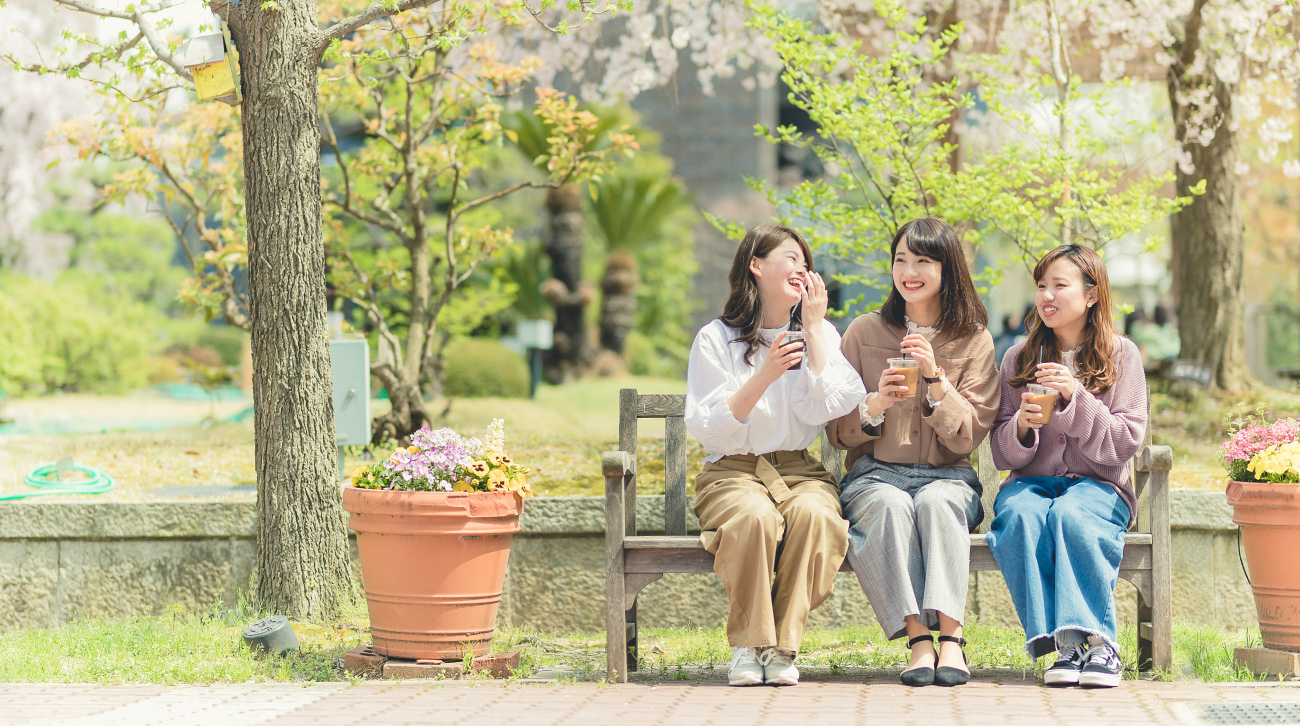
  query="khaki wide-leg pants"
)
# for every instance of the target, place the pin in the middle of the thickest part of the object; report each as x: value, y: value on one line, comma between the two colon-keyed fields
x: 779, y: 514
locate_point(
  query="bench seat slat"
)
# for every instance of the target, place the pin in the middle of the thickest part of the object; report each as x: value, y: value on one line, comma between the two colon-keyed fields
x: 649, y: 554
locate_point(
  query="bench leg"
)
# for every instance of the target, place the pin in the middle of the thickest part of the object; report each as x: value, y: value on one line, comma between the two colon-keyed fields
x: 615, y: 623
x: 1145, y: 652
x: 633, y: 662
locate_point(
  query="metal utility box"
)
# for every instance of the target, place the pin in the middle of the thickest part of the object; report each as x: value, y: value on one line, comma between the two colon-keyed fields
x: 350, y: 369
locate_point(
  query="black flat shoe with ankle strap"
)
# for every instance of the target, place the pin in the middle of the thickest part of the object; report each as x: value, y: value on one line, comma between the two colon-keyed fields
x: 919, y: 676
x: 947, y: 675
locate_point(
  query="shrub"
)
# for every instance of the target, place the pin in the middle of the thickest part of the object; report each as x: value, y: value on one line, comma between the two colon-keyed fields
x: 81, y: 339
x: 481, y: 367
x: 644, y: 358
x: 18, y: 369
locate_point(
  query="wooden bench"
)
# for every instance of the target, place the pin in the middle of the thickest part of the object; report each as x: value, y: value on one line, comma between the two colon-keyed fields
x: 633, y: 561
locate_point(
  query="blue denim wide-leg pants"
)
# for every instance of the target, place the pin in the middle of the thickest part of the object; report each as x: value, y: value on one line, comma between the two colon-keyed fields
x: 1059, y: 542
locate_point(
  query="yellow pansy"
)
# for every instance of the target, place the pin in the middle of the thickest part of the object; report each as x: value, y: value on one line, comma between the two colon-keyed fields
x: 478, y: 468
x: 497, y: 479
x: 413, y: 449
x: 496, y: 457
x: 463, y: 486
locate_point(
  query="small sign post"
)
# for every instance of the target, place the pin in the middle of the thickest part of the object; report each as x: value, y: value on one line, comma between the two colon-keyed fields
x: 536, y: 336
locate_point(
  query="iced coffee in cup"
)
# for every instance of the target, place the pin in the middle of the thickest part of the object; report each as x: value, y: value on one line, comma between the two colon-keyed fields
x: 796, y: 336
x: 1045, y: 397
x: 911, y: 370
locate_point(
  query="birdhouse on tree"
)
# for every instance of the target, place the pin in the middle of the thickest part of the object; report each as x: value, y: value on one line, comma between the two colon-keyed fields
x: 209, y: 59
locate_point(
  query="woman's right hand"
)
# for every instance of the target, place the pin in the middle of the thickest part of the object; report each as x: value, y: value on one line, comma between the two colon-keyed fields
x: 780, y: 358
x: 889, y: 390
x: 1029, y: 417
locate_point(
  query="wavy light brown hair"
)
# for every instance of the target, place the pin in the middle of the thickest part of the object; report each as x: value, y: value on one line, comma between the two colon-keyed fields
x: 744, y: 308
x: 1095, y: 360
x: 960, y: 309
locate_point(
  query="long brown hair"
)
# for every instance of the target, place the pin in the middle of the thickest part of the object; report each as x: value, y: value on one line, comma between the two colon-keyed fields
x: 1095, y: 360
x: 960, y: 311
x: 744, y: 308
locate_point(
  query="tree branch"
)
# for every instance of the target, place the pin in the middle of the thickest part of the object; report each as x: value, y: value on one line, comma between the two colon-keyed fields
x: 99, y: 56
x: 375, y: 11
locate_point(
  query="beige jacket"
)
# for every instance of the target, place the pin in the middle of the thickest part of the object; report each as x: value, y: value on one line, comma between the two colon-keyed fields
x: 913, y: 433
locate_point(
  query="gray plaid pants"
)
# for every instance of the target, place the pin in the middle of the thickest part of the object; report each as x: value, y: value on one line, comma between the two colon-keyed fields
x: 909, y: 539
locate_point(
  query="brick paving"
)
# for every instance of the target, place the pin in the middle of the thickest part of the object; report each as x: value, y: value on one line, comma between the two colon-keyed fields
x: 839, y: 702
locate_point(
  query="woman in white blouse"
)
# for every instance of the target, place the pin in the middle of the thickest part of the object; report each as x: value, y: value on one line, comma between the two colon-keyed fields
x: 761, y: 492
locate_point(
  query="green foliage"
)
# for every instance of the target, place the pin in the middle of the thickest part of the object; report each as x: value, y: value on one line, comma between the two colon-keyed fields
x: 882, y: 123
x: 19, y: 370
x: 79, y: 337
x: 479, y: 367
x: 632, y: 209
x: 132, y: 256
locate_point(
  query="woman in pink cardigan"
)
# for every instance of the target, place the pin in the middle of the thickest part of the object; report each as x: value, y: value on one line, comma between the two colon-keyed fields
x: 1060, y: 518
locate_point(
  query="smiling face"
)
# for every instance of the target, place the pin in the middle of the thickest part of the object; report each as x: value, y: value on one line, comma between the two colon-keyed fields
x: 916, y: 277
x: 781, y: 275
x: 1063, y: 298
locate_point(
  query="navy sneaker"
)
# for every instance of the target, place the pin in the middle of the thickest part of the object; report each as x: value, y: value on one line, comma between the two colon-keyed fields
x: 1102, y: 668
x: 1069, y: 664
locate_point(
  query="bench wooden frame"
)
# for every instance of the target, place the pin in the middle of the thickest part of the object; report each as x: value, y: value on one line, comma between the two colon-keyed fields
x: 633, y: 561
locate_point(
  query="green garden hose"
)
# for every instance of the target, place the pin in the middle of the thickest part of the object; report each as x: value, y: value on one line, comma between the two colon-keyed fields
x: 43, y: 479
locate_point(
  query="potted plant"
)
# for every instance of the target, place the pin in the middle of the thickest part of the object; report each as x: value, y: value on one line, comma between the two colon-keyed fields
x: 1263, y: 463
x: 434, y: 522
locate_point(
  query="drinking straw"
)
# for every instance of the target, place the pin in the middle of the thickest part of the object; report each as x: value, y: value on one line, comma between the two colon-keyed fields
x: 1040, y: 354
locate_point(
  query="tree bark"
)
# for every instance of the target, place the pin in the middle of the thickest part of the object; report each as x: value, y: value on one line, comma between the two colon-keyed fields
x: 1208, y: 235
x: 568, y: 294
x: 618, y: 301
x: 302, y: 553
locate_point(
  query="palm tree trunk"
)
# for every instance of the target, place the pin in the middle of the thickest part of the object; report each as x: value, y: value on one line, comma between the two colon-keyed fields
x: 567, y: 293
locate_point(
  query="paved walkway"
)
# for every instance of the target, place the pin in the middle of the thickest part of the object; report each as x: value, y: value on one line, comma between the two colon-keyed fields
x: 996, y: 703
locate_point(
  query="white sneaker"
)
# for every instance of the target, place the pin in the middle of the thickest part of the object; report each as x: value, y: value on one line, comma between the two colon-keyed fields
x: 744, y: 669
x: 1069, y: 663
x: 778, y: 668
x: 1102, y: 668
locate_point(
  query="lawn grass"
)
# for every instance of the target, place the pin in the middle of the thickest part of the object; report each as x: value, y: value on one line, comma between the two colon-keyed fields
x: 201, y: 648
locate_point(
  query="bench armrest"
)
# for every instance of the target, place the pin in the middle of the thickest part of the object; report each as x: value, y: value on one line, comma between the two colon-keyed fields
x: 617, y: 464
x: 1156, y: 457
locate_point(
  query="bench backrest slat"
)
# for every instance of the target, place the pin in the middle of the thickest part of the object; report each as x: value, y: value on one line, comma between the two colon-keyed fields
x: 675, y: 476
x: 627, y: 416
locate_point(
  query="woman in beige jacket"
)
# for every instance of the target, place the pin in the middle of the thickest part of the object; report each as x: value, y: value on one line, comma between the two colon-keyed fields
x: 910, y: 494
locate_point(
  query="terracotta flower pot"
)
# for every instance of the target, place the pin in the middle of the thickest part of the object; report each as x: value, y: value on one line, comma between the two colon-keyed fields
x: 1269, y: 518
x: 432, y: 564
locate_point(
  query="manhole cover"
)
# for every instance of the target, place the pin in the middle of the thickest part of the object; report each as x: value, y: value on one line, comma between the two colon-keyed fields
x: 1244, y: 713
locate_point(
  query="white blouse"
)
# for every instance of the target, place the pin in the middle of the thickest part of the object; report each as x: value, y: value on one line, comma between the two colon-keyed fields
x: 791, y: 411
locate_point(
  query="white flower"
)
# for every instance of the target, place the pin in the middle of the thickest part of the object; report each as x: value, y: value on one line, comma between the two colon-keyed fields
x: 681, y: 36
x: 1291, y: 168
x: 1240, y: 168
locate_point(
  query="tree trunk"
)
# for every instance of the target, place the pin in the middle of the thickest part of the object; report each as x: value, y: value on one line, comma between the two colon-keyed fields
x: 1208, y: 242
x: 618, y: 302
x: 302, y: 546
x: 568, y: 294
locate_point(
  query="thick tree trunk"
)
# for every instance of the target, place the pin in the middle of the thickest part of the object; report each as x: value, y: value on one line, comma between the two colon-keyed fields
x: 302, y: 552
x: 567, y: 293
x: 1208, y: 243
x: 618, y: 302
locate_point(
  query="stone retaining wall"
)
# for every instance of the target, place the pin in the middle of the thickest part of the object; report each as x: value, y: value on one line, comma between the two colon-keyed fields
x: 62, y: 561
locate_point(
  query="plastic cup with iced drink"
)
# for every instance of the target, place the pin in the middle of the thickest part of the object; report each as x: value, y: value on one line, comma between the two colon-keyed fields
x: 910, y: 368
x: 796, y: 336
x: 1045, y: 397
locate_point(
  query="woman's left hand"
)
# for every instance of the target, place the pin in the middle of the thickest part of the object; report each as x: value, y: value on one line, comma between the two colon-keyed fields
x: 813, y: 309
x: 919, y: 348
x: 1055, y: 375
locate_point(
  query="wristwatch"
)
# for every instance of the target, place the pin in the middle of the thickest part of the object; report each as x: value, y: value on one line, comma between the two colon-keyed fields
x: 938, y: 376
